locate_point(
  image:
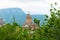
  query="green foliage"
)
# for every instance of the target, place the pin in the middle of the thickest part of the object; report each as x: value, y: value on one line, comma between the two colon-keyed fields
x: 37, y: 21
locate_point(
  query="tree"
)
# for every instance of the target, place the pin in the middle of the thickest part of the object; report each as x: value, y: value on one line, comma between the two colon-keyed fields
x: 37, y: 21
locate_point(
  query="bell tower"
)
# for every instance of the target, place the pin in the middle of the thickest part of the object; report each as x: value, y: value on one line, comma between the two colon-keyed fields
x: 28, y: 19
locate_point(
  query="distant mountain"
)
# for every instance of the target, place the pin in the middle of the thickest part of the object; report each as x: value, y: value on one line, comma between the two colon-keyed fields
x: 8, y: 13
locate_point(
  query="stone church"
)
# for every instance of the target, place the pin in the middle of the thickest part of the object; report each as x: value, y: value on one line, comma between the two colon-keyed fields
x: 29, y: 24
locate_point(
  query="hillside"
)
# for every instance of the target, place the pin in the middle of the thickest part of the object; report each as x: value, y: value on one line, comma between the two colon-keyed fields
x: 8, y: 13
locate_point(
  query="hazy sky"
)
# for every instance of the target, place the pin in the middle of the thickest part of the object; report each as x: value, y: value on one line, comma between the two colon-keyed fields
x: 33, y: 6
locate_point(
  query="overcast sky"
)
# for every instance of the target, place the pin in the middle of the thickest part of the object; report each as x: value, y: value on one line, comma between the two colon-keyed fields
x: 32, y: 6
